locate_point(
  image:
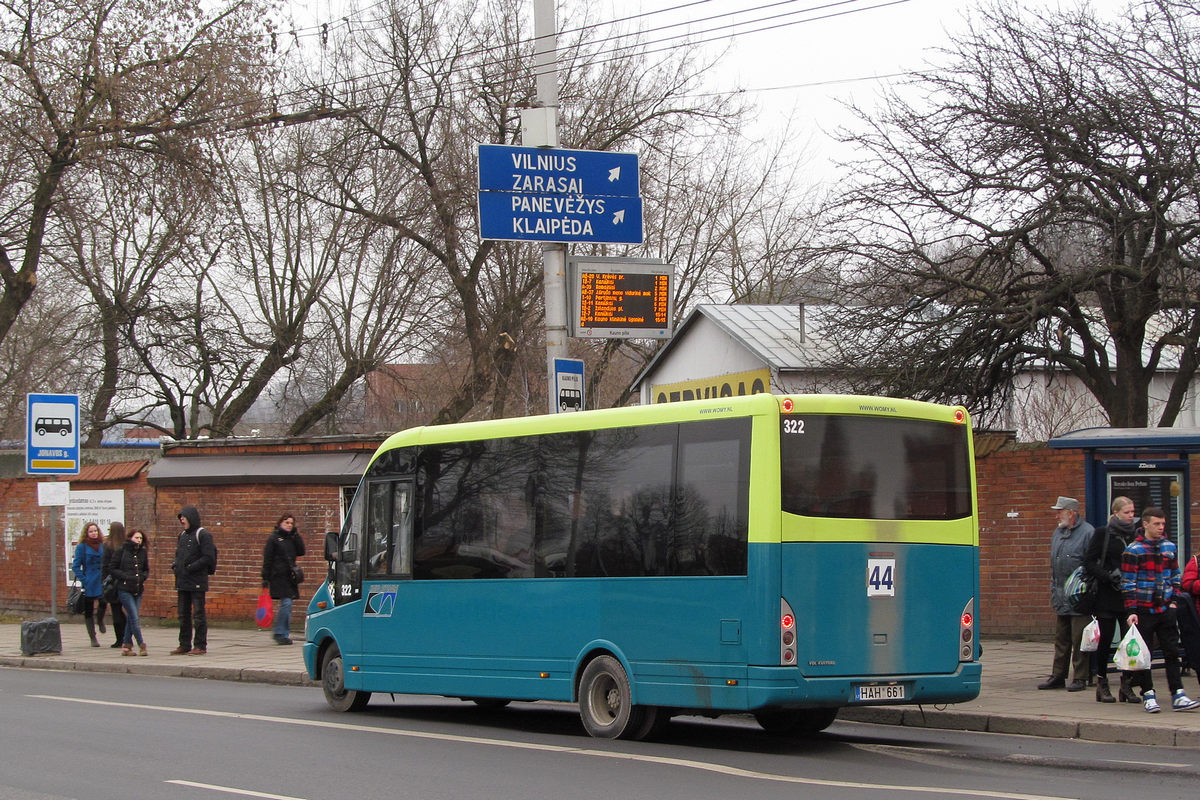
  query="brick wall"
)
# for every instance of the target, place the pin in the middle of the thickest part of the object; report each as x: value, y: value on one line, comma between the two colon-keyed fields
x: 1017, y: 486
x: 1016, y: 489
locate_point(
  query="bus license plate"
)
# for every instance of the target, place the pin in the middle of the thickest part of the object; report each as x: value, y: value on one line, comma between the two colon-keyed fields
x: 877, y: 692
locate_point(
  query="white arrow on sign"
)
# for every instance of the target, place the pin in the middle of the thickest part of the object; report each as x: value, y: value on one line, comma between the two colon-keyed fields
x: 619, y: 217
x: 614, y: 174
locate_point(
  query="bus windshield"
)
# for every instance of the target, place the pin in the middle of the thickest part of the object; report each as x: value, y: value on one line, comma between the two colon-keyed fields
x: 860, y: 467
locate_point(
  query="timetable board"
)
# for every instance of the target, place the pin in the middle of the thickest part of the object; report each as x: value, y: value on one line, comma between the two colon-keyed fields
x: 621, y: 298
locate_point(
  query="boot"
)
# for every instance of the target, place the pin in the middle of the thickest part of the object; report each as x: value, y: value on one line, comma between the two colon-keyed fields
x: 1125, y: 692
x: 126, y: 650
x: 142, y: 649
x: 91, y: 629
x: 100, y: 620
x: 1103, y: 695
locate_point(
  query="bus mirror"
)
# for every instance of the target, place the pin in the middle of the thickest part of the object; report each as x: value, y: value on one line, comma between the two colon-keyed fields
x: 331, y: 546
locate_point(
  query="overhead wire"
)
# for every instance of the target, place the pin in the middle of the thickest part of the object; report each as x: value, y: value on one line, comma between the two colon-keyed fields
x: 602, y: 55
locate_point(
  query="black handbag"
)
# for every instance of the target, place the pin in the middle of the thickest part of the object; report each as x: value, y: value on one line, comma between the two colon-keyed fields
x: 297, y: 573
x: 76, y: 600
x: 108, y: 589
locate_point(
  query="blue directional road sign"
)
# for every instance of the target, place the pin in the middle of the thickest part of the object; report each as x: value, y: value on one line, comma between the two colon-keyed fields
x: 52, y: 434
x: 554, y: 195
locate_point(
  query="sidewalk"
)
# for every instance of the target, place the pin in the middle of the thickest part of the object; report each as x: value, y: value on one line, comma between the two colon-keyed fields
x: 1009, y: 702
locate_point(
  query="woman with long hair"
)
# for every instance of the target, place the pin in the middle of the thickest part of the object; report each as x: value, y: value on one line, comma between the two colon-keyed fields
x: 113, y: 545
x: 87, y: 565
x: 131, y: 566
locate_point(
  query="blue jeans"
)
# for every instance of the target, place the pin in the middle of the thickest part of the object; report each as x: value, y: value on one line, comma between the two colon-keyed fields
x: 283, y: 619
x: 133, y: 628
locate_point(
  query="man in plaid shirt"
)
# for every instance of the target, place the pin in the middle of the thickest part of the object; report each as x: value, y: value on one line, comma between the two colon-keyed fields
x: 1149, y: 581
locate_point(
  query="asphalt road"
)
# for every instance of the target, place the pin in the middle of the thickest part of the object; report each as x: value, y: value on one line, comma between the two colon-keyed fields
x: 99, y: 736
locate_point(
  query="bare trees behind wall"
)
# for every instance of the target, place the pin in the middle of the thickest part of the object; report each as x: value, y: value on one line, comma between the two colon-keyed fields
x: 1032, y: 202
x: 210, y: 260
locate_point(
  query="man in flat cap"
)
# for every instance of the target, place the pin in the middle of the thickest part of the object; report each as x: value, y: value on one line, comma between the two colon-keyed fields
x: 1068, y: 544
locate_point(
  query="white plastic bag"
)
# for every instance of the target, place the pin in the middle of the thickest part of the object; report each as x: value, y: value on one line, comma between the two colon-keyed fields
x: 1132, y: 653
x: 1091, y: 637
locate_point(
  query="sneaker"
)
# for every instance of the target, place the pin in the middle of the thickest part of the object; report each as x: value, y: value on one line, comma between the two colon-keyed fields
x: 1150, y: 702
x: 1181, y: 702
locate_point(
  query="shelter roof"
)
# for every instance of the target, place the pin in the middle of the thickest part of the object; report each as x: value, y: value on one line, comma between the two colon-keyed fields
x: 203, y: 470
x: 1178, y: 440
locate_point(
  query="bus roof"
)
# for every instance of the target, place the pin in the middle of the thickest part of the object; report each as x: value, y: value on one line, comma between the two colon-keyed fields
x: 683, y: 411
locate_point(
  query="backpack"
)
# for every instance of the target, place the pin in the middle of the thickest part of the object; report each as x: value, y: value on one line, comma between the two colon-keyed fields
x: 212, y: 567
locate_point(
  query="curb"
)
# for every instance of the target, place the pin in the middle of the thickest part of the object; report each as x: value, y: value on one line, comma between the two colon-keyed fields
x: 249, y: 675
x: 1024, y: 725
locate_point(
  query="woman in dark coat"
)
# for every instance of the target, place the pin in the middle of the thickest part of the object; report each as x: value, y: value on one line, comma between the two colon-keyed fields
x: 1103, y: 565
x: 113, y: 545
x: 284, y: 546
x: 131, y: 566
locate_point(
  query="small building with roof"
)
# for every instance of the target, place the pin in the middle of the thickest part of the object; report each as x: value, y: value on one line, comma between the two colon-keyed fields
x: 728, y: 350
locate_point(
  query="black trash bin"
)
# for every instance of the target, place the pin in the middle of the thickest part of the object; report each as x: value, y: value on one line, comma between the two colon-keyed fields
x: 40, y: 636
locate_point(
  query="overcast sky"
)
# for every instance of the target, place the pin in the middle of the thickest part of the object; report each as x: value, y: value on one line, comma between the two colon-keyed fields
x: 800, y: 59
x: 795, y: 59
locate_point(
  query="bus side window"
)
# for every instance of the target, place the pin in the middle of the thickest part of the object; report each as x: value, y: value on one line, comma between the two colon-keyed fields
x: 346, y: 569
x: 378, y: 528
x: 402, y: 529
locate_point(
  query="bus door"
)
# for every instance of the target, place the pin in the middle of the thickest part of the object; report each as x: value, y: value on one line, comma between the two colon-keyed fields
x: 387, y: 565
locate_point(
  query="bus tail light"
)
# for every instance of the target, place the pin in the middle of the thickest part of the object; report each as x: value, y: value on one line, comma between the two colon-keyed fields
x: 787, y: 634
x: 966, y: 632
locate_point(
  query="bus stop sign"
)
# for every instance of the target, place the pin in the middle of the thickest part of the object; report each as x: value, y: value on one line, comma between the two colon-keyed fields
x: 52, y: 434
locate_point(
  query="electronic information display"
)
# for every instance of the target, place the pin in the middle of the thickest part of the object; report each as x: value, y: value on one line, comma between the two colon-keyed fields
x: 621, y: 298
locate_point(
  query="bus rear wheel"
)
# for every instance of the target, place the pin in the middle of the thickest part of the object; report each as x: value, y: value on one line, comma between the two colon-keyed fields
x: 797, y: 722
x: 606, y: 701
x: 333, y: 682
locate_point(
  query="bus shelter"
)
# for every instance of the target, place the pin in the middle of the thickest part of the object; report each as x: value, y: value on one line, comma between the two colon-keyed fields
x: 1151, y: 466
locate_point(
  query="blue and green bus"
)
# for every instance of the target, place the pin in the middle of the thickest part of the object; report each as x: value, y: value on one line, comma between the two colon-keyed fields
x: 780, y: 556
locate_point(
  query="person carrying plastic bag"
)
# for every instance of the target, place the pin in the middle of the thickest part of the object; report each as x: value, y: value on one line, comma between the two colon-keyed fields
x: 1149, y: 582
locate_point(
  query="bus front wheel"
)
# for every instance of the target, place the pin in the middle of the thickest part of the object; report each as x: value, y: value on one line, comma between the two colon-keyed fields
x: 606, y: 701
x: 799, y: 722
x: 333, y: 681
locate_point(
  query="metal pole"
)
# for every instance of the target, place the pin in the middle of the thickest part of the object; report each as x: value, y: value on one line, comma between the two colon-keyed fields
x: 53, y: 567
x: 554, y: 256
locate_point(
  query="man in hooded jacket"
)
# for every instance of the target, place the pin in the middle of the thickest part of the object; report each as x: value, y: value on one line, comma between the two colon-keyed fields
x: 195, y: 556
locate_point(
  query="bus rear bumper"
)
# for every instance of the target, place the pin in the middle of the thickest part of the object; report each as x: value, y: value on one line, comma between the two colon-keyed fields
x: 784, y: 687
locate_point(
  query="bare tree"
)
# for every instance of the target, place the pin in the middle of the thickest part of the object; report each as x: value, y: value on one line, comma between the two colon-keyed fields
x: 122, y: 226
x: 129, y: 75
x: 459, y: 75
x: 46, y: 351
x: 1031, y: 203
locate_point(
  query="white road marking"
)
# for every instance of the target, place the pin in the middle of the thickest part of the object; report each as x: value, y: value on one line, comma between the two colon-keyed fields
x: 702, y: 766
x: 231, y: 790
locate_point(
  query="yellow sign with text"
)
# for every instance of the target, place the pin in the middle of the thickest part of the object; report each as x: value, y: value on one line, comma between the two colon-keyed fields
x: 733, y: 385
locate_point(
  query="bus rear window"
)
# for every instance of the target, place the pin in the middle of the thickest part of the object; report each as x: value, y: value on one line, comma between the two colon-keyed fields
x: 855, y: 467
